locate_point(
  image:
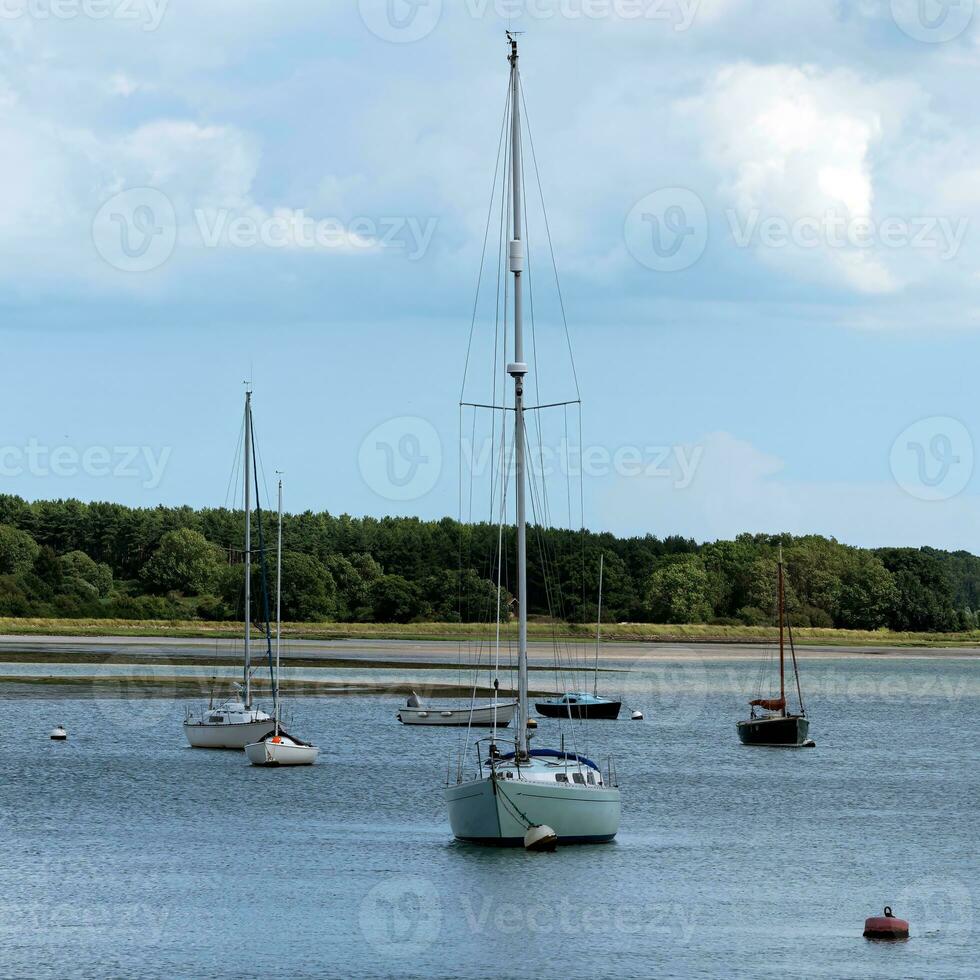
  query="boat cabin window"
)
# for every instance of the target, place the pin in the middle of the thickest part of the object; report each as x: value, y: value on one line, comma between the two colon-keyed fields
x: 572, y: 700
x: 590, y: 779
x: 577, y: 777
x: 561, y: 777
x: 217, y: 718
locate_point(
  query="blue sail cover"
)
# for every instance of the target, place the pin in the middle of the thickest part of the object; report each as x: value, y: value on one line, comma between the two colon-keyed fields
x: 556, y: 754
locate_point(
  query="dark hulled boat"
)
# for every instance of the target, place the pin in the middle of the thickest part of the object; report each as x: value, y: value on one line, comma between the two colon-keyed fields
x: 774, y: 724
x: 579, y: 705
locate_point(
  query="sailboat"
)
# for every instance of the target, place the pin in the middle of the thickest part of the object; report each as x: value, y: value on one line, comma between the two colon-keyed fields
x: 279, y: 748
x: 582, y: 704
x: 774, y: 724
x: 527, y: 796
x: 233, y: 723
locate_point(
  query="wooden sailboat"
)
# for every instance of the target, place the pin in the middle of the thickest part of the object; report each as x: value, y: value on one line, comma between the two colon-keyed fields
x: 774, y: 724
x: 582, y: 704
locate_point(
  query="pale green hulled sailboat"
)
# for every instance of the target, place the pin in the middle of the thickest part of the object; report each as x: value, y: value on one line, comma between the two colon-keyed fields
x: 518, y: 795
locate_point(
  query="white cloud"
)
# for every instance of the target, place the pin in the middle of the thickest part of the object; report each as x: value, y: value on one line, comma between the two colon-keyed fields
x: 799, y: 143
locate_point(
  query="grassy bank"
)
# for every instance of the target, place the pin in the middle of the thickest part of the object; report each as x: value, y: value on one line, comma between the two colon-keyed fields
x: 612, y: 632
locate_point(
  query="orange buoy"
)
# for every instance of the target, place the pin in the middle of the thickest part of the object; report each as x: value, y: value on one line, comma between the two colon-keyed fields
x: 886, y: 926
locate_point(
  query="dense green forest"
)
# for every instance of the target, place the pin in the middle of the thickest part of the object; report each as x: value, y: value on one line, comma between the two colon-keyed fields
x: 65, y: 558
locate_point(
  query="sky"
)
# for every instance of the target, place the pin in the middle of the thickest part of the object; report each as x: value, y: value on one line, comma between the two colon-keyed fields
x: 764, y: 218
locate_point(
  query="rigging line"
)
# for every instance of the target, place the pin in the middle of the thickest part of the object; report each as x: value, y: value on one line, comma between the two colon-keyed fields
x: 568, y: 475
x: 486, y: 238
x: 232, y: 479
x: 498, y: 341
x: 551, y: 247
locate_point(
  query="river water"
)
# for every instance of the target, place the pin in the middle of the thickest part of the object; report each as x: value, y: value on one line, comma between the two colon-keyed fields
x: 127, y: 854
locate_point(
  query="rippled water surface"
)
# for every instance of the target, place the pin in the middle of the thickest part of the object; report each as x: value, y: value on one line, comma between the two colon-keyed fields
x: 127, y: 854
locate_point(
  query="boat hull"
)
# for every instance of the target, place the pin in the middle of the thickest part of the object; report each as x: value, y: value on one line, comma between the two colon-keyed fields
x: 269, y: 753
x: 482, y: 717
x: 227, y: 736
x: 485, y: 811
x: 607, y: 710
x: 787, y: 731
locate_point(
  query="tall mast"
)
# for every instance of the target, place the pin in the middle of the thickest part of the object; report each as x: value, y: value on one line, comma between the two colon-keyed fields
x: 782, y: 677
x: 598, y: 628
x: 517, y: 370
x: 278, y: 606
x: 248, y: 547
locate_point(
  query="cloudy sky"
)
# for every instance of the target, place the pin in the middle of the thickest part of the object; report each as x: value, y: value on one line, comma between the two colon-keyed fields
x: 765, y: 218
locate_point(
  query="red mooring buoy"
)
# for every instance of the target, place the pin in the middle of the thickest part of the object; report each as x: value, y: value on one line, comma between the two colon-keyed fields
x: 886, y: 926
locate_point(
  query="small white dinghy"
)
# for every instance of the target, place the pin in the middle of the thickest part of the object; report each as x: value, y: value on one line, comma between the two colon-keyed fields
x: 281, y: 750
x: 58, y: 734
x: 417, y: 712
x: 278, y: 748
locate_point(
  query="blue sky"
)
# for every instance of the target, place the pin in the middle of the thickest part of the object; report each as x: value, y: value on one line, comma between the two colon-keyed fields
x: 313, y: 181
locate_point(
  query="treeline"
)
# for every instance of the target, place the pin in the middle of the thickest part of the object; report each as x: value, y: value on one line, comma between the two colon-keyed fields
x: 70, y: 559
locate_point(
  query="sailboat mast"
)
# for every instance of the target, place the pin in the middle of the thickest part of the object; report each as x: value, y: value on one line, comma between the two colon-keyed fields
x: 248, y: 548
x: 517, y: 370
x: 278, y: 606
x: 598, y: 629
x: 782, y: 668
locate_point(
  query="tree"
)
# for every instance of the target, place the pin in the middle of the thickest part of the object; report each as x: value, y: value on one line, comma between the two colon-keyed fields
x: 308, y: 589
x: 184, y: 562
x: 678, y: 592
x: 396, y: 600
x: 96, y: 576
x: 18, y: 550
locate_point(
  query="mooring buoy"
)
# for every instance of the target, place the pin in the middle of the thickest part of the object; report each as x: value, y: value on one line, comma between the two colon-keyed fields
x: 886, y: 926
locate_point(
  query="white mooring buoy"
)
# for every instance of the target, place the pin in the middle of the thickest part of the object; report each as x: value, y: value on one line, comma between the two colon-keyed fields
x: 540, y: 837
x: 532, y: 723
x: 636, y: 716
x: 58, y: 734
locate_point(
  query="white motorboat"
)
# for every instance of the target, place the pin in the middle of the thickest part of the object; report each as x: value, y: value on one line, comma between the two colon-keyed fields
x: 278, y: 748
x: 561, y: 796
x: 234, y: 723
x: 491, y: 715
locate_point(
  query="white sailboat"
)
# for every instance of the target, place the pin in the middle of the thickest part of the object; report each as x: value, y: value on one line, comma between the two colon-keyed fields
x: 279, y: 748
x: 529, y: 797
x: 233, y: 723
